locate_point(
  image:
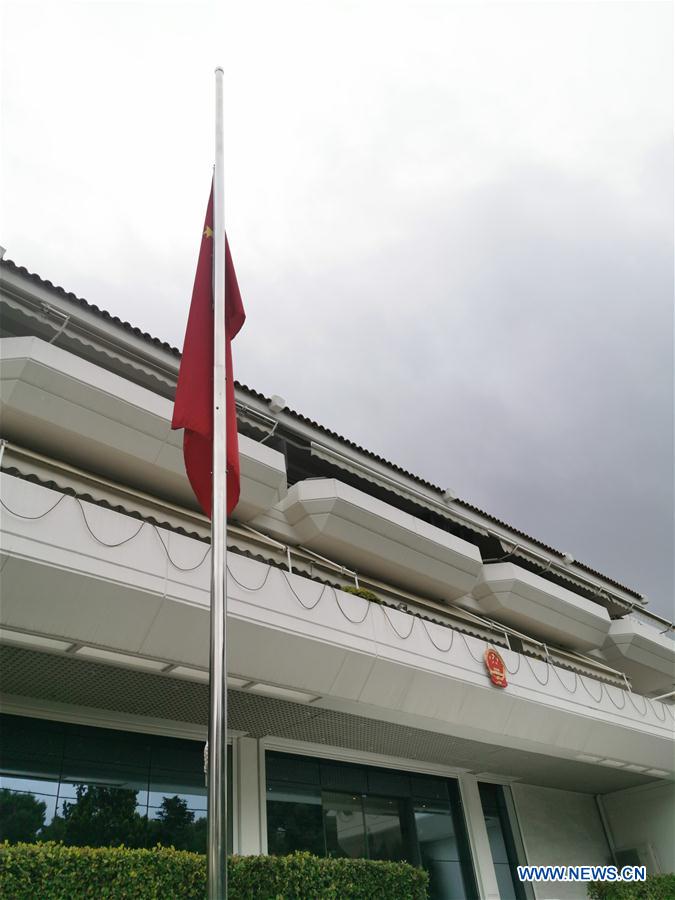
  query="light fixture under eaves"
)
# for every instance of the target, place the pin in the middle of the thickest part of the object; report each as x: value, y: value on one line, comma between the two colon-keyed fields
x: 495, y: 778
x: 33, y: 640
x: 281, y: 693
x: 137, y: 662
x: 202, y: 675
x: 189, y: 673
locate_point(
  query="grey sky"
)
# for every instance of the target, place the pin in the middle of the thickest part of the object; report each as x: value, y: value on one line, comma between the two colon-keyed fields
x: 452, y: 226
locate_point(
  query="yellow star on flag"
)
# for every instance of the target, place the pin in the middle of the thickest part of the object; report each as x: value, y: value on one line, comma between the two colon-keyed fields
x: 208, y: 232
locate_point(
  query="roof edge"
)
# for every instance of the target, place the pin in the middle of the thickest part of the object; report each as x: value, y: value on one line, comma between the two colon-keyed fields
x: 113, y: 328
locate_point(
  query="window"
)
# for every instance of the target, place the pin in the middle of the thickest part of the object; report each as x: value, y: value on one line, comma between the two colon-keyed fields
x: 388, y: 828
x: 97, y: 786
x: 442, y: 853
x: 345, y: 810
x: 502, y: 846
x: 294, y: 819
x: 344, y: 826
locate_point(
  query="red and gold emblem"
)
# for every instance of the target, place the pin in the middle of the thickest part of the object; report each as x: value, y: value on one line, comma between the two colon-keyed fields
x: 496, y: 668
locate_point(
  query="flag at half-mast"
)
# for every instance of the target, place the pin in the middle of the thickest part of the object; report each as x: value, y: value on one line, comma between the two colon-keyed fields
x: 193, y: 407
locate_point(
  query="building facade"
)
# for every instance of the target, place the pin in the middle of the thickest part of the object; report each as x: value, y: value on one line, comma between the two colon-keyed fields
x: 363, y: 719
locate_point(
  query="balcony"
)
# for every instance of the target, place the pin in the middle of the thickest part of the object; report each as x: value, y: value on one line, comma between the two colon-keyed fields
x: 514, y: 596
x: 55, y: 402
x: 646, y: 655
x: 375, y: 538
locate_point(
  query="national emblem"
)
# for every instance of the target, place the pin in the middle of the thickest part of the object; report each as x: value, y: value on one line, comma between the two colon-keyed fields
x: 496, y: 668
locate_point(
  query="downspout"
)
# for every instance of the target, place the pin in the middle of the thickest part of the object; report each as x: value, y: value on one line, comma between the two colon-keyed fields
x: 607, y: 831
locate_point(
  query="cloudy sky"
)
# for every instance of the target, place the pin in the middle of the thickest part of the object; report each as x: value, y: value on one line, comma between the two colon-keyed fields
x: 452, y: 225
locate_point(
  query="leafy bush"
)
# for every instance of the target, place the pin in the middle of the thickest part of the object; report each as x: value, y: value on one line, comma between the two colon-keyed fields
x: 656, y: 887
x: 361, y: 592
x: 302, y: 876
x: 55, y: 872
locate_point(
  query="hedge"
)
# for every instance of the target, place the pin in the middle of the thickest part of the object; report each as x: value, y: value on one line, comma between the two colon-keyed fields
x: 655, y: 887
x: 50, y: 871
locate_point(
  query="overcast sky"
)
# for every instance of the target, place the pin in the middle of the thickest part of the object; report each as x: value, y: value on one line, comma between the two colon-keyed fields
x: 452, y: 226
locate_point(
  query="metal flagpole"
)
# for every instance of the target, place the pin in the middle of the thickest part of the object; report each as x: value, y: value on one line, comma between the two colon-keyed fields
x: 217, y: 761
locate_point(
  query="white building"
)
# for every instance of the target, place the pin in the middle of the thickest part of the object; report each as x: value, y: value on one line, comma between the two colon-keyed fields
x: 359, y: 725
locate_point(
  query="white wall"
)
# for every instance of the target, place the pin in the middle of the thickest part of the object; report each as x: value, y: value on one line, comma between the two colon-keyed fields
x: 560, y: 828
x: 644, y: 815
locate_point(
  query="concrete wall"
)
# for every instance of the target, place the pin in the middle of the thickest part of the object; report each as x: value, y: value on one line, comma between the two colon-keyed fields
x: 560, y: 828
x: 644, y: 815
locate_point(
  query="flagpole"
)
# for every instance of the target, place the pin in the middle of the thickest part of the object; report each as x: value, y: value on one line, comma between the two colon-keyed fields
x: 217, y: 759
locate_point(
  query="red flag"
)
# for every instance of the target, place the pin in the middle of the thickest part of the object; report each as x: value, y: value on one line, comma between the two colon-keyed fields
x: 193, y: 406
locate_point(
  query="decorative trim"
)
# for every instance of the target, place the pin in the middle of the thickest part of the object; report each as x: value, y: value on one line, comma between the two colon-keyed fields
x: 304, y: 748
x: 15, y: 705
x: 641, y: 788
x: 262, y: 794
x: 479, y: 842
x: 517, y: 834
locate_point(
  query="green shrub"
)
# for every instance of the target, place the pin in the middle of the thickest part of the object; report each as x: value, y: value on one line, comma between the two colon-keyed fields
x: 50, y: 871
x: 302, y: 876
x: 656, y: 887
x: 362, y: 592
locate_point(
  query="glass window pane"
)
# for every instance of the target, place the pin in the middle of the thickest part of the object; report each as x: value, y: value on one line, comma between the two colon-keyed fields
x: 367, y: 812
x: 170, y: 781
x: 505, y: 882
x: 294, y: 820
x: 106, y: 747
x: 428, y: 788
x: 23, y: 814
x: 501, y: 841
x: 30, y: 746
x: 440, y: 850
x: 193, y: 800
x: 385, y: 827
x: 445, y: 879
x: 344, y: 825
x: 343, y: 777
x: 298, y: 769
x: 496, y: 838
x: 33, y: 785
x: 114, y: 777
x: 386, y: 782
x: 68, y: 790
x: 99, y: 816
x: 168, y: 754
x: 101, y: 777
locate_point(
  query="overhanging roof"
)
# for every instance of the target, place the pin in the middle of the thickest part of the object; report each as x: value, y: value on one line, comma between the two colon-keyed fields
x: 173, y: 358
x: 61, y: 684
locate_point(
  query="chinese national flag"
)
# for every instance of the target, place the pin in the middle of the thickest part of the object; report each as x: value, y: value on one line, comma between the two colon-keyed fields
x: 193, y: 407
